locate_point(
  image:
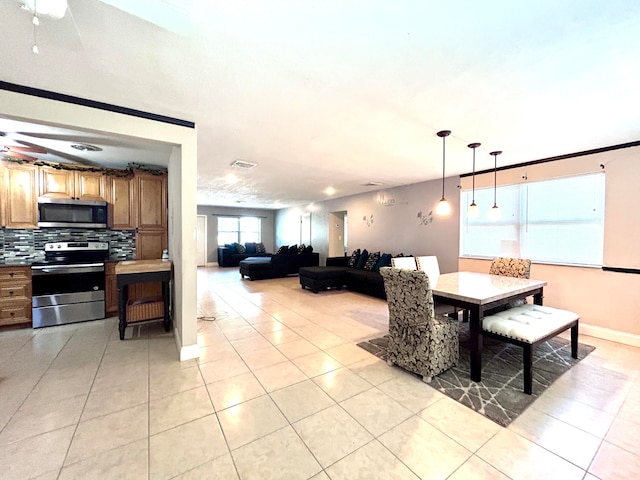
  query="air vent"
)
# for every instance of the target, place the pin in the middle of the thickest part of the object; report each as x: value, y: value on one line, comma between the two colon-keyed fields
x: 243, y: 164
x: 372, y: 184
x: 85, y: 147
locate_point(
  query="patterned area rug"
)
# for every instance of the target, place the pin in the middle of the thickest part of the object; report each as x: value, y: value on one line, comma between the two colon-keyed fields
x: 500, y: 395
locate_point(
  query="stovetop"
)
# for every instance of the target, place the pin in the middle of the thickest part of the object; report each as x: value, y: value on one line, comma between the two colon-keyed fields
x: 69, y: 253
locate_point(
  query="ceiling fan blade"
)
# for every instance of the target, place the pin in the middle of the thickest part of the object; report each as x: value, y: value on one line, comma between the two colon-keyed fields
x: 19, y: 155
x: 34, y: 149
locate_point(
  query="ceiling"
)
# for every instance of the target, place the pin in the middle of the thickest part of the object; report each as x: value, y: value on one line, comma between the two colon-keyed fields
x: 337, y: 94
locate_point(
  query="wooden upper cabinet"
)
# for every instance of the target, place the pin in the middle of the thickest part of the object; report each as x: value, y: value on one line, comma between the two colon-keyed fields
x: 152, y: 201
x: 81, y: 185
x: 123, y: 202
x: 19, y: 202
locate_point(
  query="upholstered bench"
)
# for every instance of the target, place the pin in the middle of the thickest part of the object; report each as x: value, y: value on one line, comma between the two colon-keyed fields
x: 321, y: 278
x: 254, y: 266
x: 528, y: 326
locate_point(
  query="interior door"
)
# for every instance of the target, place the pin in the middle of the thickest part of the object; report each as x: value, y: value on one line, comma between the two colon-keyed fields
x: 305, y: 228
x: 337, y: 234
x: 201, y: 241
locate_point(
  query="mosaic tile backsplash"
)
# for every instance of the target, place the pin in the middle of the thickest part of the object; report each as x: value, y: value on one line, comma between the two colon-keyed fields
x: 26, y: 245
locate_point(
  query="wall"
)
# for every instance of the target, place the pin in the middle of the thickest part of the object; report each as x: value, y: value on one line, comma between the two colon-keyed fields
x: 267, y: 224
x: 392, y: 221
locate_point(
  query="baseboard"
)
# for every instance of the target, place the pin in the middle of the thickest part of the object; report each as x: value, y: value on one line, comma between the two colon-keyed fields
x: 212, y: 264
x: 611, y: 335
x: 186, y: 352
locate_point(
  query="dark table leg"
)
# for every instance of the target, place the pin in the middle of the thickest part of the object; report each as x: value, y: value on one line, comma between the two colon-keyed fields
x: 537, y: 298
x: 475, y: 345
x: 123, y: 296
x: 165, y: 298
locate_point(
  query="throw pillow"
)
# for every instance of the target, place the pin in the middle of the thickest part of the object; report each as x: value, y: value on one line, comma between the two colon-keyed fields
x: 301, y: 248
x: 293, y: 249
x: 240, y: 248
x: 260, y: 248
x: 384, y: 261
x: 363, y: 259
x: 283, y: 249
x: 251, y: 247
x: 231, y: 247
x: 353, y: 260
x: 308, y: 249
x: 371, y: 261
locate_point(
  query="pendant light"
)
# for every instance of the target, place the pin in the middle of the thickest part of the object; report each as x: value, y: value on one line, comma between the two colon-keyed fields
x: 494, y: 213
x: 474, y: 211
x: 36, y: 22
x: 443, y: 207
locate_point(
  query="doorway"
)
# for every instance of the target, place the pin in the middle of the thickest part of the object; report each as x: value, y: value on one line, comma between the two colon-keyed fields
x: 337, y: 234
x: 305, y: 228
x: 201, y: 241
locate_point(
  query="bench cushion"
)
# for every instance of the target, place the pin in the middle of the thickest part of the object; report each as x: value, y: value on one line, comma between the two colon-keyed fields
x: 528, y: 323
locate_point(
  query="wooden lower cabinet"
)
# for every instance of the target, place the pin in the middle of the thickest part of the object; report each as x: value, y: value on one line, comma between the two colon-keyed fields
x: 149, y: 246
x: 15, y: 295
x: 111, y: 290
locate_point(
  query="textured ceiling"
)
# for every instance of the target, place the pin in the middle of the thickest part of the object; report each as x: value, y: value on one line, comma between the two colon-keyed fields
x: 344, y: 93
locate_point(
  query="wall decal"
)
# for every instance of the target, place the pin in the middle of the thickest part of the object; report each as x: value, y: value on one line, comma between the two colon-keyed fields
x: 369, y: 221
x: 386, y: 201
x: 425, y: 219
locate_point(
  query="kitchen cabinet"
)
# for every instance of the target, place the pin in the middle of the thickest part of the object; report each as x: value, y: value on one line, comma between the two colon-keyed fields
x: 19, y: 197
x: 111, y: 290
x: 149, y: 246
x: 15, y: 295
x: 122, y: 195
x: 152, y: 202
x: 76, y: 184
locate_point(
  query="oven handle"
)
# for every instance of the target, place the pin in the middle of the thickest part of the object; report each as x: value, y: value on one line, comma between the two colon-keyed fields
x: 79, y: 268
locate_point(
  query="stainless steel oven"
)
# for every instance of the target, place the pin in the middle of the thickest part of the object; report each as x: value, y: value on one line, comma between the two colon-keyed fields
x: 70, y: 285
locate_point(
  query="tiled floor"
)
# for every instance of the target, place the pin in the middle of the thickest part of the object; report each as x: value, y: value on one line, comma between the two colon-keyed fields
x: 281, y: 391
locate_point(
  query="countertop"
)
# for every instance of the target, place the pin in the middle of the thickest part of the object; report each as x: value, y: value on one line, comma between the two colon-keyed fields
x: 142, y: 266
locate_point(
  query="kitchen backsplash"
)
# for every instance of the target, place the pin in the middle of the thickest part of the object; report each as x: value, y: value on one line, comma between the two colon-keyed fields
x: 28, y: 245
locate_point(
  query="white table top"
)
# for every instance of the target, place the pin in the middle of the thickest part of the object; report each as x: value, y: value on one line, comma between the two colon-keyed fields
x: 482, y: 288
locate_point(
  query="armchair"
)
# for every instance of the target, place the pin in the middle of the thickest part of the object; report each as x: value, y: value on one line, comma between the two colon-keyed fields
x: 419, y: 340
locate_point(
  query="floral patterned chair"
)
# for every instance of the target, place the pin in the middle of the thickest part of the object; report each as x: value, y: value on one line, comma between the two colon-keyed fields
x: 510, y: 267
x: 419, y: 340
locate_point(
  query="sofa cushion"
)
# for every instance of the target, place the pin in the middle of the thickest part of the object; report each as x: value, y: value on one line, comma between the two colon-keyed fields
x: 354, y: 276
x: 240, y: 248
x: 250, y: 247
x: 231, y: 247
x: 293, y: 249
x: 383, y: 261
x: 301, y: 248
x: 363, y: 259
x: 353, y: 260
x: 371, y: 261
x: 283, y: 249
x: 260, y: 248
x: 308, y: 249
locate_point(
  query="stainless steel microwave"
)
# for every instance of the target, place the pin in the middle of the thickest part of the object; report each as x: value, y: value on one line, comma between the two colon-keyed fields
x: 66, y: 212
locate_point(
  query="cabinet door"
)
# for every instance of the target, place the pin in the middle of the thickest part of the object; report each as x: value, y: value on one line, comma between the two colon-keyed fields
x: 20, y: 201
x: 152, y: 202
x: 90, y: 186
x: 111, y: 290
x: 123, y: 204
x: 149, y: 246
x: 56, y: 183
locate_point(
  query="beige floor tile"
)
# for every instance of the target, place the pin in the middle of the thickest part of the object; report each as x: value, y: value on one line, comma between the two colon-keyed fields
x: 331, y: 434
x: 342, y: 383
x: 262, y: 459
x: 320, y: 476
x: 263, y: 358
x: 35, y: 456
x: 165, y: 383
x: 477, y: 469
x: 221, y: 468
x: 216, y: 352
x: 614, y: 463
x: 298, y: 348
x: 232, y: 391
x: 301, y: 400
x: 566, y: 441
x: 250, y: 345
x: 174, y: 410
x: 242, y: 333
x: 448, y: 415
x: 33, y: 419
x: 129, y: 462
x: 624, y: 430
x: 110, y: 376
x: 411, y: 392
x: 525, y: 460
x: 376, y: 411
x: 370, y: 461
x: 221, y: 369
x: 348, y: 353
x: 424, y: 449
x: 374, y: 370
x: 183, y: 448
x: 250, y: 420
x: 123, y: 427
x: 279, y: 376
x: 316, y: 364
x: 120, y: 397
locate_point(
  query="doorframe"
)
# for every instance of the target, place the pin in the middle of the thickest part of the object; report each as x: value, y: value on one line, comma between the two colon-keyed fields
x: 203, y: 236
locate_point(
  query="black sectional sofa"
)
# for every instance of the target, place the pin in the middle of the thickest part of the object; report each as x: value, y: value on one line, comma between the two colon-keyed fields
x: 277, y: 265
x: 229, y: 256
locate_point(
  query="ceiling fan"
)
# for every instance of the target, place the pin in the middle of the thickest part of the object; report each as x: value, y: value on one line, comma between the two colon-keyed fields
x: 20, y: 152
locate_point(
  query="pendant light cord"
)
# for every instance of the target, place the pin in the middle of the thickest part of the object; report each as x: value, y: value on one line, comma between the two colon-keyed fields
x: 495, y: 177
x: 443, y: 157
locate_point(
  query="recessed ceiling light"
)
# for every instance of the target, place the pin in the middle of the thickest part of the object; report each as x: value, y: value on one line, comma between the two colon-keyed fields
x: 329, y: 190
x: 243, y: 164
x: 231, y: 178
x: 85, y: 147
x: 372, y: 184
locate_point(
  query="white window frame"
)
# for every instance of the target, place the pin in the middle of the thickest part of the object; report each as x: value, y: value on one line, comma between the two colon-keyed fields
x: 241, y: 233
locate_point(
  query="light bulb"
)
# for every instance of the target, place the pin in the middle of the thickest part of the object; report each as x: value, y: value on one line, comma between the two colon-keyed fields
x: 474, y: 211
x: 35, y: 20
x: 494, y: 213
x: 35, y: 49
x: 443, y: 207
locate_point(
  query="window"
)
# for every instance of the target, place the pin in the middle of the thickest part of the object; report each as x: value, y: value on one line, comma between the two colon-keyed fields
x: 239, y: 230
x: 550, y: 221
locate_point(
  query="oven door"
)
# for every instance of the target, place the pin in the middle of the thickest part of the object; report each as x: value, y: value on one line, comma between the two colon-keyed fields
x: 67, y: 293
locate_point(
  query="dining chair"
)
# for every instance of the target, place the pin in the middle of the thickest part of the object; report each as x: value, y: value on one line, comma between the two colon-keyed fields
x: 408, y: 263
x: 510, y: 267
x: 429, y: 265
x: 420, y: 340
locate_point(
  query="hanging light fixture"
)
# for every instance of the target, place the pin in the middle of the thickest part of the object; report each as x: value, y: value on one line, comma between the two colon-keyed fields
x: 494, y: 213
x: 36, y: 21
x: 474, y: 211
x: 443, y: 207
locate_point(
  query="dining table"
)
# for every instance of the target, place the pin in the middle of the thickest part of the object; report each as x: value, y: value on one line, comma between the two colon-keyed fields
x: 475, y: 293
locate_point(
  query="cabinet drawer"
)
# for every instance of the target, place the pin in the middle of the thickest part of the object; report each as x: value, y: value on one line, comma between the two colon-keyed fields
x: 19, y: 291
x: 10, y: 314
x: 15, y: 274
